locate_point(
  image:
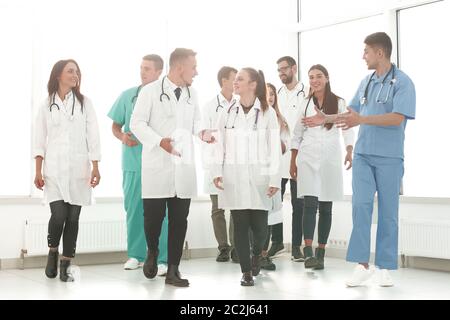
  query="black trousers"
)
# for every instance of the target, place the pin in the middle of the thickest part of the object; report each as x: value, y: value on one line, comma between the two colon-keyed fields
x: 64, y: 221
x: 297, y: 217
x: 309, y: 218
x: 154, y: 213
x: 244, y: 221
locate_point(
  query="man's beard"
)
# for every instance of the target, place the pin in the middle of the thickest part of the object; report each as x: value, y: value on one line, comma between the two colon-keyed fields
x: 287, y: 80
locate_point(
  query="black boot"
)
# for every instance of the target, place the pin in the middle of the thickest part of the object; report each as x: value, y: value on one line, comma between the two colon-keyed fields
x: 247, y: 279
x: 256, y: 266
x: 173, y: 277
x: 310, y: 260
x: 320, y: 255
x: 150, y: 267
x: 63, y: 274
x: 51, y: 270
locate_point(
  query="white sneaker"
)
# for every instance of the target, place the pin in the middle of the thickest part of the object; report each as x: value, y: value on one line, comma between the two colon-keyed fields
x: 162, y: 270
x: 359, y: 276
x: 385, y: 278
x: 131, y: 264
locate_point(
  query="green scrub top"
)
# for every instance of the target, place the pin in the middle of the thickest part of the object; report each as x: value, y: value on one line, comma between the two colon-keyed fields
x: 120, y: 113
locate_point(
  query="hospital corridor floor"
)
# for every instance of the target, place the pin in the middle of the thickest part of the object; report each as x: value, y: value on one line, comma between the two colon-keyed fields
x: 210, y: 280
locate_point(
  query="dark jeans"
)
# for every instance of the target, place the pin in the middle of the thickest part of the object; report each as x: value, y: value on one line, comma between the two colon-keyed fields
x: 63, y: 221
x: 154, y: 213
x: 309, y: 218
x: 245, y: 220
x: 297, y: 217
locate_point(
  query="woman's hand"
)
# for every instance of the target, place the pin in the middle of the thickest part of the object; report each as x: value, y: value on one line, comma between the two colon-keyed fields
x: 95, y: 177
x: 39, y: 181
x: 293, y: 170
x: 348, y: 159
x: 218, y: 182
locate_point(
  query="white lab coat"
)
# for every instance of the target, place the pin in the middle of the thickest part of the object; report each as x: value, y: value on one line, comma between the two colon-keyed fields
x: 289, y: 104
x: 210, y: 115
x: 165, y: 175
x: 67, y: 147
x: 320, y: 161
x: 248, y: 160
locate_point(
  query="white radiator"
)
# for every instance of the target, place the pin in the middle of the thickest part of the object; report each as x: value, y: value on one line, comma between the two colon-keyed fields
x: 93, y: 236
x: 425, y: 238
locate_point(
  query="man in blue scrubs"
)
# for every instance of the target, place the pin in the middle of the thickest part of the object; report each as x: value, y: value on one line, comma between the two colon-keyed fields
x: 385, y: 100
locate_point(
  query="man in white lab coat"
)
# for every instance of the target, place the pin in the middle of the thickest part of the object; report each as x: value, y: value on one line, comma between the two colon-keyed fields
x: 164, y: 119
x: 290, y: 95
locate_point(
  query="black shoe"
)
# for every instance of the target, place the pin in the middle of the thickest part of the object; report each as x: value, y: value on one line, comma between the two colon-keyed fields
x: 224, y: 255
x: 320, y: 255
x: 267, y: 264
x: 247, y: 279
x: 275, y: 249
x: 150, y: 267
x: 310, y: 260
x: 256, y: 267
x: 51, y: 270
x: 173, y: 277
x: 297, y: 254
x: 234, y: 256
x: 64, y: 275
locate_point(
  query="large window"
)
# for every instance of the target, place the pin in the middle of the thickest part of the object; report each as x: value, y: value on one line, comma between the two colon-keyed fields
x: 108, y: 40
x: 423, y: 34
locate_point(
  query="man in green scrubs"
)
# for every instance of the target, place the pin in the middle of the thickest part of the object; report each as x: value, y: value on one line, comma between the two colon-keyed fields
x: 120, y: 113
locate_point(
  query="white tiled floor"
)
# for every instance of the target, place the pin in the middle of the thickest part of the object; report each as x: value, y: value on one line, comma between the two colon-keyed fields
x: 211, y: 280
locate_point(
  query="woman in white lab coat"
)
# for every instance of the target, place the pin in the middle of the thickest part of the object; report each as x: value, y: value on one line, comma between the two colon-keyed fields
x: 66, y: 141
x: 247, y: 174
x: 316, y: 163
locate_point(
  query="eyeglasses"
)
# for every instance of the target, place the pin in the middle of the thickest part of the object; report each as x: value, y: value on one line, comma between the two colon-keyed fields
x: 283, y: 69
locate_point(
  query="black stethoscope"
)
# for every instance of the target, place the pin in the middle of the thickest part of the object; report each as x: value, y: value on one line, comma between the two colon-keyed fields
x: 302, y: 90
x: 255, y: 125
x: 54, y: 104
x: 163, y: 94
x: 133, y: 100
x: 219, y: 105
x: 391, y: 71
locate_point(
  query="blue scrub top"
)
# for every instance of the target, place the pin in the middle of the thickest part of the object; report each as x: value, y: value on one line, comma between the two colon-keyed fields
x: 384, y: 141
x: 120, y: 113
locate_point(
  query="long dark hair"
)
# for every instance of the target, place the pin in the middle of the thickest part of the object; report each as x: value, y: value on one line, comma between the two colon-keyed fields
x: 260, y: 92
x: 330, y: 100
x: 53, y: 83
x: 281, y: 120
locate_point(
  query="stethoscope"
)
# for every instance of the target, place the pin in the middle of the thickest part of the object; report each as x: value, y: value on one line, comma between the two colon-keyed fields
x: 219, y: 105
x: 255, y: 125
x: 133, y: 100
x: 165, y: 95
x: 363, y: 99
x: 302, y: 90
x: 54, y: 104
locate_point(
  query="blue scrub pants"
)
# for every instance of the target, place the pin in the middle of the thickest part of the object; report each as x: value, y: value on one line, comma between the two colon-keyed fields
x: 136, y: 242
x: 382, y: 175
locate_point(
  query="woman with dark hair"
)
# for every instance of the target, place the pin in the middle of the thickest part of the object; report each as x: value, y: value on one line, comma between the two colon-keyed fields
x: 316, y: 162
x: 66, y: 140
x: 247, y: 173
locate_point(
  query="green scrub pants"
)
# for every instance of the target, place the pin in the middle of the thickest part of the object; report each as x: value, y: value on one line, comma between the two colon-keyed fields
x: 136, y: 243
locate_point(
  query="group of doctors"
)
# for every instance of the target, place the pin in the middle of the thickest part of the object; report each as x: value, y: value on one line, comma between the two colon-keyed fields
x: 254, y: 143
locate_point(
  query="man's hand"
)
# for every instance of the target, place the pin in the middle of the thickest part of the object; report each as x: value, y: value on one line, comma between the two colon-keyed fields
x: 127, y: 139
x: 166, y: 144
x: 218, y: 182
x: 316, y: 120
x: 271, y: 191
x: 293, y: 171
x: 39, y: 181
x: 207, y: 135
x: 348, y: 120
x: 95, y: 177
